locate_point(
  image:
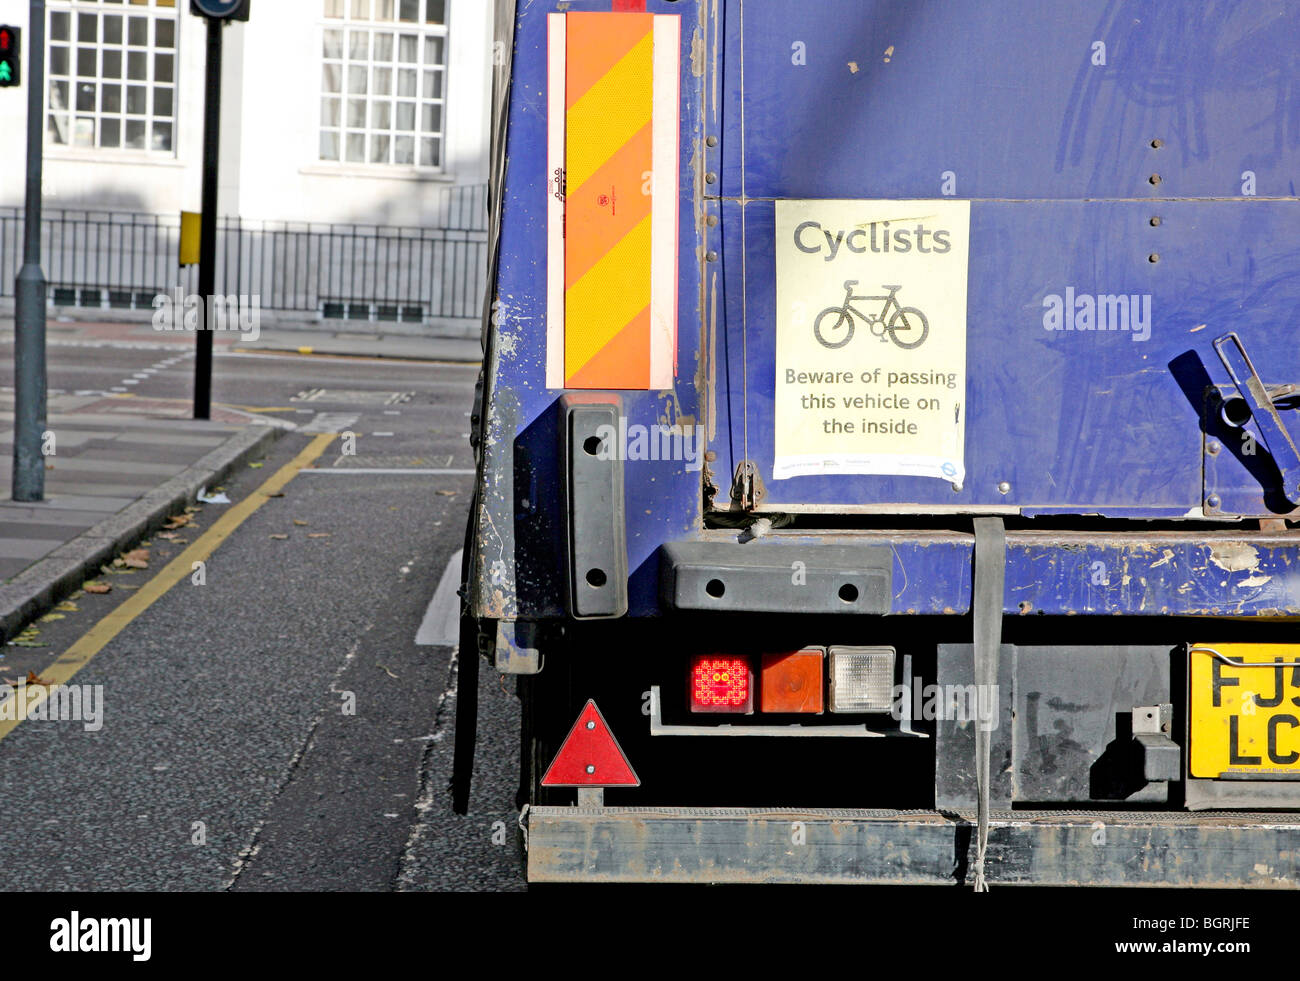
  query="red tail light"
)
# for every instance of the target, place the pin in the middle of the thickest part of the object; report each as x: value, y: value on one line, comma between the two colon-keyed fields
x: 721, y: 684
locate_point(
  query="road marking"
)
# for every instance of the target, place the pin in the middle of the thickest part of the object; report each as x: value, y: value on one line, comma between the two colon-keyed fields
x: 441, y: 624
x: 332, y: 422
x: 94, y: 640
x: 446, y: 473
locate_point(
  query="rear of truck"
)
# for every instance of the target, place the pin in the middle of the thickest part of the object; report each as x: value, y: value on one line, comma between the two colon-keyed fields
x: 887, y: 441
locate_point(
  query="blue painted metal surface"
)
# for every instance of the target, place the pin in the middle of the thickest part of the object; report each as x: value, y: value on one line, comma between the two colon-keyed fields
x: 1076, y: 573
x: 1007, y: 96
x: 1088, y: 422
x: 1056, y: 154
x: 663, y: 499
x: 881, y: 100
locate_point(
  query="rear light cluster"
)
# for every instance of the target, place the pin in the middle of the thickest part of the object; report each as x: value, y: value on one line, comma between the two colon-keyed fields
x: 861, y: 681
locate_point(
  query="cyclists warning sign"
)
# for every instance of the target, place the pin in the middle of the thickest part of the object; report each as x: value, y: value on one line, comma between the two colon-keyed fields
x: 871, y: 338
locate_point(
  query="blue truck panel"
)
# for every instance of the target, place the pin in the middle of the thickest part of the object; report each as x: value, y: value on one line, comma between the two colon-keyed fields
x: 1050, y: 139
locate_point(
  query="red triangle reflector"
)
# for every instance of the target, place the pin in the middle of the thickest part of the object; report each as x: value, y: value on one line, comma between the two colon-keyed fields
x: 590, y: 756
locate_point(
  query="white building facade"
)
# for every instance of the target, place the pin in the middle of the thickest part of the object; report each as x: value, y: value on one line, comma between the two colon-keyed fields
x: 356, y: 111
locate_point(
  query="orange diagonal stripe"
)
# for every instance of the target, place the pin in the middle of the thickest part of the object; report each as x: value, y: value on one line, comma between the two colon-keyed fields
x: 603, y: 301
x: 607, y: 207
x: 622, y: 363
x: 596, y: 42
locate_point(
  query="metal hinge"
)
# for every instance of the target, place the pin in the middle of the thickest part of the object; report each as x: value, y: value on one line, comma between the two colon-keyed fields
x: 1262, y: 402
x: 747, y: 490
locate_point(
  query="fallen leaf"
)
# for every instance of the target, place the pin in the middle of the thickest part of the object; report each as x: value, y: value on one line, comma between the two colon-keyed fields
x: 28, y: 638
x: 178, y: 521
x: 67, y: 606
x: 137, y: 558
x: 281, y: 494
x: 255, y: 466
x: 51, y: 617
x: 447, y: 493
x: 34, y: 679
x: 170, y: 536
x: 279, y: 538
x: 297, y: 522
x: 389, y: 673
x: 319, y: 534
x: 97, y: 587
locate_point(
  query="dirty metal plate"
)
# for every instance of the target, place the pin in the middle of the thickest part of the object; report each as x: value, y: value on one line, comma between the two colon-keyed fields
x: 1245, y: 717
x: 820, y: 845
x: 764, y: 577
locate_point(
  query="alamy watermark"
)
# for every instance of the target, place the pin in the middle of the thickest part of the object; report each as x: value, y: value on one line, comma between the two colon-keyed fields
x: 75, y: 934
x: 178, y: 311
x: 54, y: 703
x: 1073, y: 311
x: 962, y: 704
x: 655, y: 442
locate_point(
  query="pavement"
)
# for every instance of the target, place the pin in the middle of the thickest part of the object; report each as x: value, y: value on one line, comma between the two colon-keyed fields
x: 323, y: 340
x: 118, y: 465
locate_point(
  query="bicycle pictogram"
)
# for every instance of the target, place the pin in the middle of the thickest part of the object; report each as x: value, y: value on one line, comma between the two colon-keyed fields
x: 905, y: 326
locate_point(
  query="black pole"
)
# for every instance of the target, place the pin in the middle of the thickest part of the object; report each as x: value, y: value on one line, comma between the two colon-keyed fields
x: 29, y: 288
x: 208, y: 223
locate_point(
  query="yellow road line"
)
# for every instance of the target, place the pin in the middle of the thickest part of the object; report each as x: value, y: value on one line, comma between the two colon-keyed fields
x: 93, y: 641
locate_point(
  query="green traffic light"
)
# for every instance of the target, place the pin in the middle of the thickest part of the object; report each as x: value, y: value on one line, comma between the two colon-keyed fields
x: 6, y: 73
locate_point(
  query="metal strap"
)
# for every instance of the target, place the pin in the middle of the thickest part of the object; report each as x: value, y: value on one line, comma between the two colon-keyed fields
x: 986, y: 607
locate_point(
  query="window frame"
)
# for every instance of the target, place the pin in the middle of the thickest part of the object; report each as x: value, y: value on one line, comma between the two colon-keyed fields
x: 368, y: 130
x: 153, y: 13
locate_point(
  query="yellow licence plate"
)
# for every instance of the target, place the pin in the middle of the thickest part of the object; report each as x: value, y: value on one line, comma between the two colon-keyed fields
x: 1245, y: 717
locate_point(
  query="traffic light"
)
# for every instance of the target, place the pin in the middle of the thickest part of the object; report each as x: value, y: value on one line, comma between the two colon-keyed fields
x: 10, y: 45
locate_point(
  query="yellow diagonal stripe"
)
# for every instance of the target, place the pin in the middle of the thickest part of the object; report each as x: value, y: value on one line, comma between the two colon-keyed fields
x: 609, y: 114
x: 610, y: 294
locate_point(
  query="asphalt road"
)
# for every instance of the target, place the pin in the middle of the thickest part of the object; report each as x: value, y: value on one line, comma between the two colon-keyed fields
x: 277, y: 727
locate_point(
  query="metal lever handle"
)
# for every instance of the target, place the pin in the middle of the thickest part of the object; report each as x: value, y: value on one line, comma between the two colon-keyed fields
x: 1256, y: 395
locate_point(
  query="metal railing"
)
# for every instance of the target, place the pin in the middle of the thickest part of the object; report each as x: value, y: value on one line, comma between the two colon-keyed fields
x: 357, y: 272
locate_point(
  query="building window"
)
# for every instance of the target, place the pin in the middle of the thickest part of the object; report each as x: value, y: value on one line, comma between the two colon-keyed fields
x: 383, y: 83
x: 112, y: 74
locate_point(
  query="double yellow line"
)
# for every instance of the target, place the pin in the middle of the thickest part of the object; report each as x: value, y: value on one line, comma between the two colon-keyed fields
x: 94, y: 640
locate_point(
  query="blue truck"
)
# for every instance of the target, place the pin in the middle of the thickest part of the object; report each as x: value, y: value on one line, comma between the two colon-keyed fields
x: 887, y: 439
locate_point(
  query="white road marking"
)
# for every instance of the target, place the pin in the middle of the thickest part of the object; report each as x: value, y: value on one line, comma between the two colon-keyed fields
x: 441, y: 624
x: 330, y: 422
